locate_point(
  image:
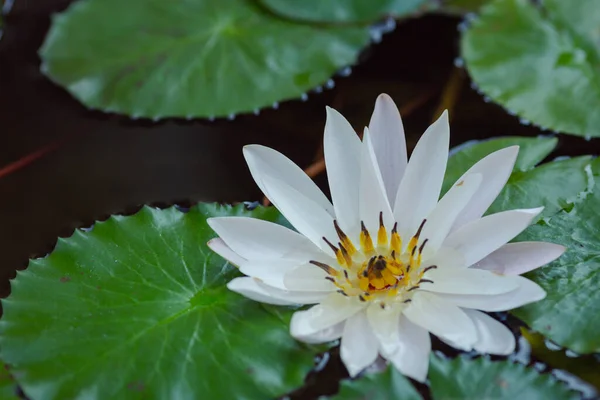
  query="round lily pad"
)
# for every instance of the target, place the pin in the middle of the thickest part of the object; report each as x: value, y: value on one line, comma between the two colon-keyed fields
x: 569, y: 313
x: 200, y: 58
x: 137, y: 308
x: 541, y: 61
x: 344, y: 11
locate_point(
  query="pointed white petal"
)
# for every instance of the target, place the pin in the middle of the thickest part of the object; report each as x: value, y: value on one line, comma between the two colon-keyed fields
x: 445, y: 257
x: 493, y: 337
x: 386, y: 327
x: 359, y: 345
x: 420, y: 187
x: 389, y: 144
x: 468, y: 281
x: 258, y: 291
x: 527, y: 292
x: 440, y: 220
x: 263, y: 161
x: 496, y: 169
x: 342, y: 148
x: 372, y: 196
x: 441, y: 318
x: 518, y: 258
x: 218, y: 246
x: 326, y: 335
x: 308, y: 278
x: 270, y: 272
x: 255, y: 239
x: 304, y: 214
x: 479, y: 238
x: 412, y: 357
x: 332, y: 310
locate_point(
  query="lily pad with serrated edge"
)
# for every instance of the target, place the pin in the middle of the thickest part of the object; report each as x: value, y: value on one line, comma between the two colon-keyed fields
x: 540, y: 62
x: 345, y: 11
x: 138, y: 308
x: 191, y: 58
x: 569, y: 313
x: 460, y: 378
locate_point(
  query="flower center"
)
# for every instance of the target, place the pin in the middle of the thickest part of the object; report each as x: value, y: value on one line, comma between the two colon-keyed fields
x: 385, y: 271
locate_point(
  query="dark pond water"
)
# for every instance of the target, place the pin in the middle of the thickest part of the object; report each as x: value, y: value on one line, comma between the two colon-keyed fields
x: 99, y: 164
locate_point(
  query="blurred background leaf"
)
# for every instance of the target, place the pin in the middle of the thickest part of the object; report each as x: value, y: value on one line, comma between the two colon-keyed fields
x: 345, y: 11
x: 192, y: 58
x: 539, y: 61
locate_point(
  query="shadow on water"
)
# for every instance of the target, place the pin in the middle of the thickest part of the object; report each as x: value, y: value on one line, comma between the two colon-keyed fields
x: 103, y: 164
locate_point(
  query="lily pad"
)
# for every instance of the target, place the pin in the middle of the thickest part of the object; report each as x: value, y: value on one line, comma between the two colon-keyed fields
x: 8, y: 386
x: 461, y: 378
x: 343, y: 10
x: 201, y: 58
x: 569, y: 314
x: 482, y: 378
x: 541, y: 62
x: 390, y: 384
x: 138, y: 308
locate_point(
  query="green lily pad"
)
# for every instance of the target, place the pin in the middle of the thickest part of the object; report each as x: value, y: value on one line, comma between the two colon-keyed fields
x: 481, y: 378
x: 461, y: 378
x: 345, y: 11
x: 390, y: 384
x: 137, y: 308
x: 569, y: 314
x: 201, y: 58
x: 8, y: 386
x: 540, y: 62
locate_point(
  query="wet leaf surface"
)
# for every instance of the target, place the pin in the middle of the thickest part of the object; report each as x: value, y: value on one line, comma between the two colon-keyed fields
x: 138, y: 308
x: 208, y: 58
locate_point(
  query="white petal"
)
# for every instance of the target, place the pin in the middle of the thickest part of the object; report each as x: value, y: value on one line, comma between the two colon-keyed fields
x: 420, y: 187
x: 342, y: 148
x: 496, y: 169
x: 326, y: 335
x: 218, y: 246
x: 518, y: 258
x: 441, y: 318
x: 386, y: 327
x: 389, y: 144
x: 332, y: 310
x: 263, y: 161
x: 479, y: 238
x: 304, y: 214
x: 412, y: 357
x: 271, y: 272
x: 359, y: 346
x: 372, y: 196
x: 527, y: 292
x: 255, y: 239
x: 468, y: 281
x: 493, y: 337
x: 445, y: 257
x: 307, y: 278
x: 440, y: 220
x: 258, y: 291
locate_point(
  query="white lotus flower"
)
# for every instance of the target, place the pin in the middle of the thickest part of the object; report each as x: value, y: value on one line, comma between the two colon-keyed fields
x: 387, y: 262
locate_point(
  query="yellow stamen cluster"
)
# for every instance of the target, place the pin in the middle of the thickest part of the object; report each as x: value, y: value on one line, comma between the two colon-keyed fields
x: 384, y: 271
